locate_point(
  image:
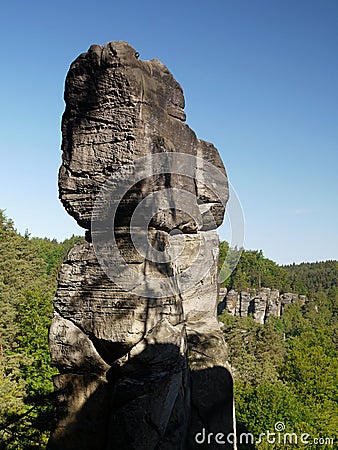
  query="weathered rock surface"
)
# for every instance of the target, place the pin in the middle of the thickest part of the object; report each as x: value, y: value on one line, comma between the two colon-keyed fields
x: 118, y: 109
x: 260, y: 303
x: 138, y: 371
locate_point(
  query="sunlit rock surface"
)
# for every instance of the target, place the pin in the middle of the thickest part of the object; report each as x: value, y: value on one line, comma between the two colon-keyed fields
x: 259, y: 303
x: 141, y: 357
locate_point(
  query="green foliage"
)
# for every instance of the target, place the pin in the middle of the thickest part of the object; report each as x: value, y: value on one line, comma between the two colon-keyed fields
x: 53, y: 252
x: 287, y: 369
x: 28, y: 272
x: 255, y: 350
x: 34, y: 315
x: 263, y: 405
x: 313, y: 277
x: 254, y: 271
x: 12, y: 386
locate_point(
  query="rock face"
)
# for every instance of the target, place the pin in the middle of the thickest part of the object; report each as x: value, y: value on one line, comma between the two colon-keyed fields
x: 260, y: 303
x: 135, y: 337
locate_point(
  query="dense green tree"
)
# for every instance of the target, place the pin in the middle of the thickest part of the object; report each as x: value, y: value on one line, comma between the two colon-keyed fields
x: 253, y: 270
x: 28, y: 271
x: 53, y: 252
x: 255, y: 351
x: 313, y: 277
x: 287, y: 370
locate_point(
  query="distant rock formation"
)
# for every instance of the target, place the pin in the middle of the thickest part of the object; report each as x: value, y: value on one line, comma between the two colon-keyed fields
x: 135, y: 336
x: 259, y: 303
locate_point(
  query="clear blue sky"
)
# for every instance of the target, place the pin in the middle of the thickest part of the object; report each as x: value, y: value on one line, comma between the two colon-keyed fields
x: 261, y: 82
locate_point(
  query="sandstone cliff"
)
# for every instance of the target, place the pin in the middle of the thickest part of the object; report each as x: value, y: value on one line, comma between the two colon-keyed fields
x: 135, y: 336
x: 259, y: 303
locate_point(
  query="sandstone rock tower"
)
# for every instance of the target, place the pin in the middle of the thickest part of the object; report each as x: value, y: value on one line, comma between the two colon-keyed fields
x: 141, y: 359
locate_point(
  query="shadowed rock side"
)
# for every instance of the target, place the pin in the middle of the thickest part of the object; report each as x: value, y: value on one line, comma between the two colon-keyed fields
x: 135, y: 371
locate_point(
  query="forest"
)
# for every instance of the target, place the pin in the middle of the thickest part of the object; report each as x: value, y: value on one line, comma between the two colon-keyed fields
x: 284, y: 371
x: 287, y: 369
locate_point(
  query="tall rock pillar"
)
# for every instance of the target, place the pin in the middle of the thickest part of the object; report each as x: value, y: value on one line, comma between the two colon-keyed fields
x: 141, y: 358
